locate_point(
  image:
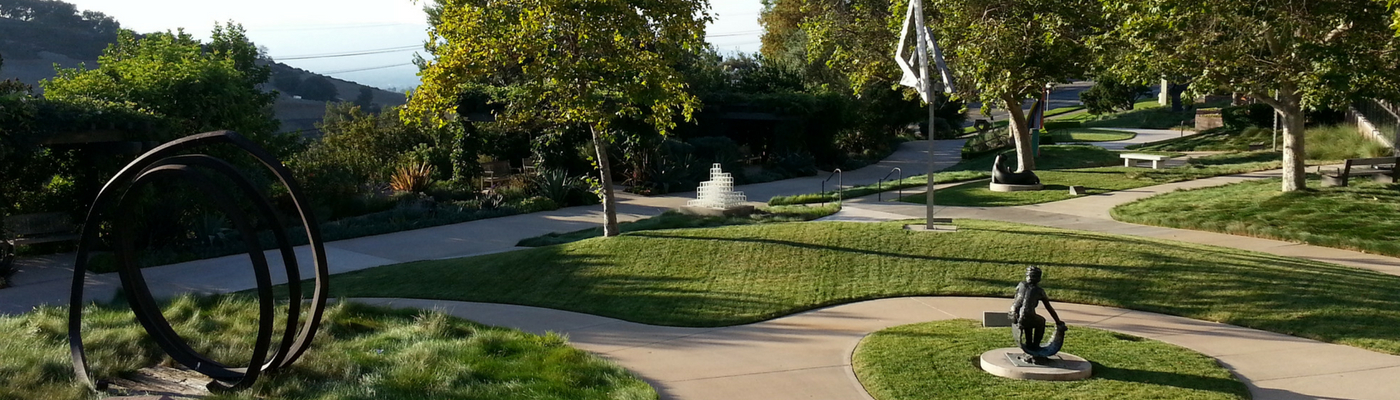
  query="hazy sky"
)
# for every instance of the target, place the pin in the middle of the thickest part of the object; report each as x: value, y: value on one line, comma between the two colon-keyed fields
x: 311, y: 29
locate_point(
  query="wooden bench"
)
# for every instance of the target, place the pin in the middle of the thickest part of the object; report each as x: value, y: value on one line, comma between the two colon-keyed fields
x: 28, y: 229
x: 493, y: 173
x: 1131, y: 159
x: 1382, y: 169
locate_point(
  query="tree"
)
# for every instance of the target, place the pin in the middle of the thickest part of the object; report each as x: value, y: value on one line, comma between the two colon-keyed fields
x: 572, y: 63
x: 318, y: 88
x: 365, y: 99
x: 1006, y: 51
x: 202, y: 88
x: 286, y: 80
x: 1109, y: 94
x: 1293, y: 56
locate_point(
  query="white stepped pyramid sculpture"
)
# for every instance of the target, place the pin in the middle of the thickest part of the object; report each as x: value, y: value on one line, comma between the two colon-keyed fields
x: 718, y: 192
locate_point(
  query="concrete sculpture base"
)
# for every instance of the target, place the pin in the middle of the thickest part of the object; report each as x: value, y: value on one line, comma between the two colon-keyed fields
x: 1004, y: 187
x: 1004, y: 362
x: 736, y: 211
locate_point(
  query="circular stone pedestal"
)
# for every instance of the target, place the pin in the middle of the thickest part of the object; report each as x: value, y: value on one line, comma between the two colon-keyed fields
x: 1062, y: 367
x: 1005, y: 187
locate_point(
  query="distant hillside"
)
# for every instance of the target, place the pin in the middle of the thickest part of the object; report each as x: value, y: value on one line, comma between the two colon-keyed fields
x: 32, y: 41
x: 302, y: 114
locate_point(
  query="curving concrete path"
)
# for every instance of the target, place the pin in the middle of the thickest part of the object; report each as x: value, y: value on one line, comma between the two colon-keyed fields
x: 1143, y: 136
x: 808, y: 355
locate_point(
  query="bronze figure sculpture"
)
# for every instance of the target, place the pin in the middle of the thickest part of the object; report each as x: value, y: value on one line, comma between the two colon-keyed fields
x: 1003, y: 175
x: 1027, y: 327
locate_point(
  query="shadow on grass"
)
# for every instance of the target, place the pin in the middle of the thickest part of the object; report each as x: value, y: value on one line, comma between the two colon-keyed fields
x: 1171, y: 379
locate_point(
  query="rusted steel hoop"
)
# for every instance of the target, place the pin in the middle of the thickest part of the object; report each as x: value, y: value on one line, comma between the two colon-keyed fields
x: 167, y: 160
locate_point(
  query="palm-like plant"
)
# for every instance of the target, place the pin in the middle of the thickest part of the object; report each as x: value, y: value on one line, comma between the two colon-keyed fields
x: 413, y: 177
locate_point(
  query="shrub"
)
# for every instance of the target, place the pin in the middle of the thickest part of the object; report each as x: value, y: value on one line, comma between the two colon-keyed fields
x: 719, y: 149
x: 794, y: 164
x: 1108, y: 95
x: 1241, y: 117
x: 559, y: 187
x: 413, y: 178
x: 536, y: 204
x: 987, y: 141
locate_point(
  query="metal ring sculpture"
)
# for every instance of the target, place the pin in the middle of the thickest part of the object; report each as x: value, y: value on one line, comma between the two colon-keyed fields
x: 165, y: 162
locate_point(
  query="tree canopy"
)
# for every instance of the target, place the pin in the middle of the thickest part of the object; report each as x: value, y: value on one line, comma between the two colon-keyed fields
x: 197, y: 87
x: 1294, y: 56
x: 572, y: 63
x: 1006, y: 51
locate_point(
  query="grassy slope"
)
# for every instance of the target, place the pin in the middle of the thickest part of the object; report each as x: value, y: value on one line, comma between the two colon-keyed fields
x: 740, y: 274
x: 1091, y: 135
x: 1101, y: 180
x: 1324, y: 142
x: 361, y: 352
x: 1146, y: 114
x: 1363, y: 216
x: 1218, y: 139
x: 676, y: 220
x: 913, y: 362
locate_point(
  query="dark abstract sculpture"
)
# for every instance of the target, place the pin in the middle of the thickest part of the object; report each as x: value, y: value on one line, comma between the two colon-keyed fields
x: 1003, y: 175
x: 169, y: 162
x: 1028, y: 328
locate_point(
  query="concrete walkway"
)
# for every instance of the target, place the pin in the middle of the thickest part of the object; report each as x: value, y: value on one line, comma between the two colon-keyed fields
x: 1143, y: 136
x: 808, y: 355
x: 1091, y: 213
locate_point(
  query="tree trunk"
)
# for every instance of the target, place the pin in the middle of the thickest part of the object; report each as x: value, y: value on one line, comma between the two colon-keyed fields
x: 1174, y: 91
x: 1294, y: 176
x: 609, y: 200
x: 1020, y: 131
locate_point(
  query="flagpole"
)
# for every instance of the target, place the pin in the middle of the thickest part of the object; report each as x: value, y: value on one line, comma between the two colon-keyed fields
x: 927, y: 73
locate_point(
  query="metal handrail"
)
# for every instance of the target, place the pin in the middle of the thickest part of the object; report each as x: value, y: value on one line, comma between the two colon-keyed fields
x: 839, y: 177
x: 879, y: 185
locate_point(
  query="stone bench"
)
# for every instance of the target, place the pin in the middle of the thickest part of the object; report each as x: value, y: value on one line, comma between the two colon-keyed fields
x: 1131, y: 159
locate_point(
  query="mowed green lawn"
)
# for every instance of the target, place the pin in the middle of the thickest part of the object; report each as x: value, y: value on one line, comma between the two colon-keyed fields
x: 1100, y: 180
x: 1091, y: 135
x: 1364, y: 216
x: 927, y: 361
x: 740, y: 274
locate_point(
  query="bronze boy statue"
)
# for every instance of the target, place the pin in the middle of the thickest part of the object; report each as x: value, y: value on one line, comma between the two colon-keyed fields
x: 1026, y: 324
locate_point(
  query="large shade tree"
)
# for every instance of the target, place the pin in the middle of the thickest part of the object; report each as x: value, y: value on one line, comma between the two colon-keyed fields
x: 571, y: 63
x: 1006, y: 51
x: 1291, y: 55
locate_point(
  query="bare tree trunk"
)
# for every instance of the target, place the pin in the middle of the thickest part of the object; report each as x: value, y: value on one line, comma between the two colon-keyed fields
x: 1020, y: 131
x: 1174, y: 91
x: 609, y: 200
x: 1294, y: 175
